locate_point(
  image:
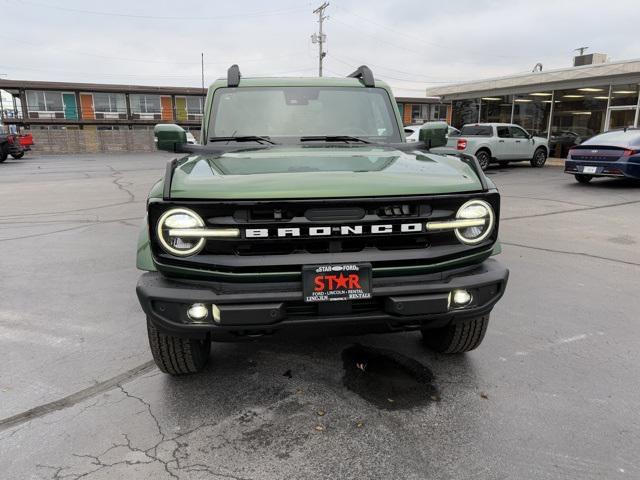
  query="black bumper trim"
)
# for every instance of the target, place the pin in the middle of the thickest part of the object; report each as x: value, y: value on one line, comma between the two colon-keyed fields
x: 165, y: 300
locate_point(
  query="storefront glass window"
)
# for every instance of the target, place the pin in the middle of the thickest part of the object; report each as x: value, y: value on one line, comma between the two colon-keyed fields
x: 496, y: 109
x: 531, y: 112
x: 464, y: 112
x: 624, y: 95
x: 578, y: 114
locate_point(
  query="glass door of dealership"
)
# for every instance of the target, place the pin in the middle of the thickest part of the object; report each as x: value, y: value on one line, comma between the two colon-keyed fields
x: 620, y: 117
x: 623, y: 107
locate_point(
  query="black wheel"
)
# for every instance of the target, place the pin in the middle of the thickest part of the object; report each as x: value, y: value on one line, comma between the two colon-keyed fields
x: 583, y: 178
x: 484, y: 158
x: 457, y: 338
x: 503, y: 164
x: 4, y: 152
x: 17, y: 155
x: 176, y: 355
x: 539, y: 158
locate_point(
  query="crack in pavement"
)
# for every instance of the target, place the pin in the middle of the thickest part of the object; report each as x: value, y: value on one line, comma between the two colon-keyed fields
x: 565, y: 252
x: 75, y: 398
x: 37, y: 214
x: 573, y: 210
x: 166, y: 452
x: 545, y: 200
x: 117, y: 181
x: 77, y: 227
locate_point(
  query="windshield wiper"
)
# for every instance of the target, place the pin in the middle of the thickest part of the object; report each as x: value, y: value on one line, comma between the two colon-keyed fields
x: 333, y: 138
x: 245, y: 138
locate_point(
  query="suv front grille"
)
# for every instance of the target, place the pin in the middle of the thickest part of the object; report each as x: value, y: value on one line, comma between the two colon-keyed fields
x: 348, y: 234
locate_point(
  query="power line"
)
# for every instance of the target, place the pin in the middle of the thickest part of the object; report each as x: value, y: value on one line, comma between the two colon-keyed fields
x: 351, y: 63
x: 120, y: 75
x: 415, y: 39
x: 160, y: 17
x: 159, y: 62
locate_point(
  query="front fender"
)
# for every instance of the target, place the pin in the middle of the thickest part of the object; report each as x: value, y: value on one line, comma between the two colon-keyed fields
x: 144, y: 258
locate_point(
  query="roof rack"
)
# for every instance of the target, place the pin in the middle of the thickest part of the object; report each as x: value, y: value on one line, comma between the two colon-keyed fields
x: 364, y: 74
x: 233, y: 76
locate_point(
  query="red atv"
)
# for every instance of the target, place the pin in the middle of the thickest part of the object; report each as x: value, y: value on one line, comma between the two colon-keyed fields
x: 14, y: 145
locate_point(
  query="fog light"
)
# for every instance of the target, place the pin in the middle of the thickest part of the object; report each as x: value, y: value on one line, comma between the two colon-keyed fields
x: 460, y: 298
x: 216, y: 313
x: 197, y: 312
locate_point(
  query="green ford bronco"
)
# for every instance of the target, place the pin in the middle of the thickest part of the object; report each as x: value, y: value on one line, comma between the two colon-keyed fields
x: 304, y: 209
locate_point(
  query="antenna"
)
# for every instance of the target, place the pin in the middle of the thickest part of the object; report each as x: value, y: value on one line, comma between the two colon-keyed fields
x: 580, y: 50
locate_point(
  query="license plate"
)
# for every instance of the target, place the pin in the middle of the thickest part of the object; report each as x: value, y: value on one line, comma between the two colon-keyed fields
x: 589, y: 169
x: 334, y: 283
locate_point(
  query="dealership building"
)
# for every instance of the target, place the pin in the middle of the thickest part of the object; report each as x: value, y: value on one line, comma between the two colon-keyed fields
x: 566, y: 105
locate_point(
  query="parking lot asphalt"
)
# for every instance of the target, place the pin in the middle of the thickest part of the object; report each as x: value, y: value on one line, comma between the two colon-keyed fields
x: 552, y: 393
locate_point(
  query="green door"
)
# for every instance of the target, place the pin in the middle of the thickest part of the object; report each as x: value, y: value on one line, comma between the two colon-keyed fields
x: 181, y: 109
x: 70, y: 107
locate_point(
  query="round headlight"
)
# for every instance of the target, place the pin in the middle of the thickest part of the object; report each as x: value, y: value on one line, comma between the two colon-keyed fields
x: 475, y: 210
x: 180, y: 218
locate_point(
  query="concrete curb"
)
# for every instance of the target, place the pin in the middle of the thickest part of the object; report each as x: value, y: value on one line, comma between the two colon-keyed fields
x: 555, y: 162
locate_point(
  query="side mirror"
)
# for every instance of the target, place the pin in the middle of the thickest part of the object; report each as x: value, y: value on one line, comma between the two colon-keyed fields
x: 434, y: 134
x: 168, y: 136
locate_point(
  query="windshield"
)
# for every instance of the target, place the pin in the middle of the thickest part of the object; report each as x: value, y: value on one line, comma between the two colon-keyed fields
x: 294, y: 112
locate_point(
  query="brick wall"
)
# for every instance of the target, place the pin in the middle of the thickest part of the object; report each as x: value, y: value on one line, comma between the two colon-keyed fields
x: 91, y: 140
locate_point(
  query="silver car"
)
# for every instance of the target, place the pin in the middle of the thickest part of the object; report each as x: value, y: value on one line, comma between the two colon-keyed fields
x: 498, y: 142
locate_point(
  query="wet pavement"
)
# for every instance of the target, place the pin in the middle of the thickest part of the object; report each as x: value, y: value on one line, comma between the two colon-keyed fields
x: 552, y: 392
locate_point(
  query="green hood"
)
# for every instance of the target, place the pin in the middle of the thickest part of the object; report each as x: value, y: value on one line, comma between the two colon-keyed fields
x: 287, y: 172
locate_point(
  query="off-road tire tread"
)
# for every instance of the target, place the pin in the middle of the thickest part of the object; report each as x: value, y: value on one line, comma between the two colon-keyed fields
x: 457, y: 338
x: 176, y: 355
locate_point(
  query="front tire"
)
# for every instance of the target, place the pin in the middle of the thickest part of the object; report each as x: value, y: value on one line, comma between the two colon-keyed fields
x: 539, y: 158
x: 4, y: 152
x: 177, y: 355
x: 484, y: 159
x: 583, y: 178
x: 457, y: 338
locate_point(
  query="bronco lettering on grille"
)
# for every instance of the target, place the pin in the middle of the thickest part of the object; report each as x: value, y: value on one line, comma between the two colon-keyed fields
x: 328, y: 231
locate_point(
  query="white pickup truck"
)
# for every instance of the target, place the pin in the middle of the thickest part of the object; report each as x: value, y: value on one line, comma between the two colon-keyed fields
x: 498, y: 142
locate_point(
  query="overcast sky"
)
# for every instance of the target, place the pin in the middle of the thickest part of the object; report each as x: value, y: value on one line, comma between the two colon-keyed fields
x: 410, y: 44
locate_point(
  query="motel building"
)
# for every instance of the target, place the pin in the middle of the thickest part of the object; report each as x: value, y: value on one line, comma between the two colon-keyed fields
x: 39, y: 105
x: 566, y: 105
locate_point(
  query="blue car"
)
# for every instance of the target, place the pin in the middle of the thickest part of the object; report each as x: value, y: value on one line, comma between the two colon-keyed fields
x: 611, y: 154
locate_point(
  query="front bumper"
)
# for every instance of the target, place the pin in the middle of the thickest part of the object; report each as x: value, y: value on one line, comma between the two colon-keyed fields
x: 398, y: 303
x: 603, y: 169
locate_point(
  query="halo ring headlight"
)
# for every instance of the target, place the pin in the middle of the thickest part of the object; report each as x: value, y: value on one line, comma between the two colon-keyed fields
x: 180, y: 218
x: 475, y: 210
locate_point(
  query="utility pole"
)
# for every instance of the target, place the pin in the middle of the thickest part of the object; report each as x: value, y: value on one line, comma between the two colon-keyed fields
x: 202, y: 71
x: 320, y: 38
